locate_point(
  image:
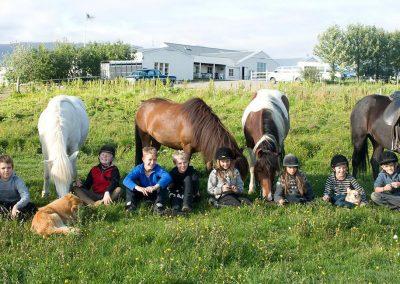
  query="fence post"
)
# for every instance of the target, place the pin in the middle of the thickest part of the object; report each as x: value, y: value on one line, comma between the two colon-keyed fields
x: 17, y: 85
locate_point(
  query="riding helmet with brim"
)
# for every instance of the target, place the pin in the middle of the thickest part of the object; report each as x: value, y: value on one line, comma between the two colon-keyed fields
x: 224, y: 153
x: 107, y: 149
x: 290, y: 160
x: 388, y: 157
x: 339, y: 160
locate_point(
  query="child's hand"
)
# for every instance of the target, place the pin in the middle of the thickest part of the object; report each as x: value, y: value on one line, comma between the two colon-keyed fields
x: 388, y: 187
x: 281, y: 202
x: 14, y: 212
x: 395, y: 184
x: 107, y: 198
x: 142, y: 190
x: 78, y: 183
x: 226, y: 188
x: 326, y: 198
x: 234, y: 188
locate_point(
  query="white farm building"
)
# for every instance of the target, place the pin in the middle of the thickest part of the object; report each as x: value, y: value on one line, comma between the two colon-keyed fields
x: 188, y: 62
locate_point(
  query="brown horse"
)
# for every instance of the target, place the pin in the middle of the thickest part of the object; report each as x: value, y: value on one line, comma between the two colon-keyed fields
x: 369, y: 119
x: 191, y: 126
x: 265, y: 124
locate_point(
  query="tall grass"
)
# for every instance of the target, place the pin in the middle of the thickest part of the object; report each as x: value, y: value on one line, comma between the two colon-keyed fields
x: 260, y: 243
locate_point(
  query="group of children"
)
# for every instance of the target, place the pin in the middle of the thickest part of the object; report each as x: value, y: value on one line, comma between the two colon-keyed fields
x: 180, y: 187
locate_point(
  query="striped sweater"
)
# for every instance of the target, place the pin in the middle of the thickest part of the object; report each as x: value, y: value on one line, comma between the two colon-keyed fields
x: 334, y: 187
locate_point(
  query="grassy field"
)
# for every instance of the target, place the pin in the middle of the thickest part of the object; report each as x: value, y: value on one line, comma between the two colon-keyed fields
x: 260, y: 243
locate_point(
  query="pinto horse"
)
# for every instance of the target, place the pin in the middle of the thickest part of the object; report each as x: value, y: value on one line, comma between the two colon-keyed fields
x: 265, y: 124
x: 63, y: 127
x: 191, y: 126
x: 368, y: 121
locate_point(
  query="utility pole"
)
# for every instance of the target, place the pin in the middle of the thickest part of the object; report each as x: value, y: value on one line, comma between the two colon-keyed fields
x: 88, y: 18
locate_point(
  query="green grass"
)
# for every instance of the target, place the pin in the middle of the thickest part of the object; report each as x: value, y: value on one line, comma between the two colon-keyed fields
x: 260, y: 243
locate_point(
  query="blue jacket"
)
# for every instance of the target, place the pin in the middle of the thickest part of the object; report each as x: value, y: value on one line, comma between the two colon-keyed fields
x: 137, y: 176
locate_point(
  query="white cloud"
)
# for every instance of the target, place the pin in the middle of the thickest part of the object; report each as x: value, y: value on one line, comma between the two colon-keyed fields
x: 280, y: 28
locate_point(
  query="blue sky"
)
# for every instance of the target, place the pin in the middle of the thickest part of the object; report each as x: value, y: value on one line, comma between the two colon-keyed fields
x: 280, y: 28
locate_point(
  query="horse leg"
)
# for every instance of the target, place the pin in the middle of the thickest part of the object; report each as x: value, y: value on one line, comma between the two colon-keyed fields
x: 46, y: 177
x: 360, y: 150
x: 188, y: 150
x: 251, y: 159
x: 376, y: 155
x: 143, y: 139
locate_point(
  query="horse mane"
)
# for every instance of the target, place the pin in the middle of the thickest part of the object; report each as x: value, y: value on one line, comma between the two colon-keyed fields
x: 208, y: 131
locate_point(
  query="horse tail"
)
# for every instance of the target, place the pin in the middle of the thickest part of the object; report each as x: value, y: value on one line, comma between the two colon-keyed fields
x: 61, y: 170
x: 138, y: 146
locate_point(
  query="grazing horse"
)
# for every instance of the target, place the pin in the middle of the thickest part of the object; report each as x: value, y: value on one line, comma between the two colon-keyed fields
x: 368, y: 120
x: 63, y: 127
x: 191, y: 126
x: 265, y: 124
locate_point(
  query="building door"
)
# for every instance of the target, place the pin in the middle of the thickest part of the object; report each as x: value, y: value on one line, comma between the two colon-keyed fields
x: 242, y: 73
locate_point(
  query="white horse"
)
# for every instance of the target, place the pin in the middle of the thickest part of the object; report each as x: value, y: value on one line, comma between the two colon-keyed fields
x: 63, y: 127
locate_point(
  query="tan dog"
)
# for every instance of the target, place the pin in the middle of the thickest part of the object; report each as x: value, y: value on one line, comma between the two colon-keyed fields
x: 353, y: 196
x: 52, y: 218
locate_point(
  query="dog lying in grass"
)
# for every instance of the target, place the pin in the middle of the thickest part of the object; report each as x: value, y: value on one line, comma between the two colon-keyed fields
x: 53, y: 218
x: 353, y: 196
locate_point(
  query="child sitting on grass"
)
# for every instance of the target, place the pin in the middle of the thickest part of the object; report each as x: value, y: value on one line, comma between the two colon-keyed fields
x: 147, y: 181
x: 185, y: 183
x: 14, y: 195
x: 102, y: 183
x: 387, y: 184
x: 292, y: 186
x: 339, y: 182
x: 224, y: 183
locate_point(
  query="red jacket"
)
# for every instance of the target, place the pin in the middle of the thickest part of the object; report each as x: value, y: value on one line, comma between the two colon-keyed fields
x: 102, y: 179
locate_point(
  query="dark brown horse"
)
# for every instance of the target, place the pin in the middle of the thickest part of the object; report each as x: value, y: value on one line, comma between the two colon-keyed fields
x: 368, y: 121
x: 191, y: 126
x: 266, y: 124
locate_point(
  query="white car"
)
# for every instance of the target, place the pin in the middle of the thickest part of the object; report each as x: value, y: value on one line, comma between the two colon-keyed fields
x: 285, y: 74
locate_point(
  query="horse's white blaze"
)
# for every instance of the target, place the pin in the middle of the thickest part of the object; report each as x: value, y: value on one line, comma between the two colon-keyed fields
x: 63, y: 127
x: 270, y: 99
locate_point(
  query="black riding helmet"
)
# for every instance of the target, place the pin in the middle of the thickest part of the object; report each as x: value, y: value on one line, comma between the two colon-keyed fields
x: 290, y: 160
x: 339, y: 160
x: 388, y: 157
x: 224, y: 153
x: 108, y: 149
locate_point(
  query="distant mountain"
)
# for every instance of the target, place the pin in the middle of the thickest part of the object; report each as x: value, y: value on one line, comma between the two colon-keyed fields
x: 9, y: 48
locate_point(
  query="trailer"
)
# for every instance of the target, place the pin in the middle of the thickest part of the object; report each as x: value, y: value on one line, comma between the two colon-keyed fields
x: 113, y: 69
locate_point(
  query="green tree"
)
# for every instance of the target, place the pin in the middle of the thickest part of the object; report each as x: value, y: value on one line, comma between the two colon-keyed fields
x: 394, y: 53
x: 19, y: 64
x: 330, y: 48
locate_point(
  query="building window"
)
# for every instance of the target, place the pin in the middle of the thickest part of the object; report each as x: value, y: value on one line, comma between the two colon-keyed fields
x: 155, y: 65
x: 230, y: 72
x: 166, y: 68
x: 261, y: 67
x: 209, y: 69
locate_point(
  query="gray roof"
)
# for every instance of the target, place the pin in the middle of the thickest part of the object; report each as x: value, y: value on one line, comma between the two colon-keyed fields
x: 293, y: 61
x: 196, y: 49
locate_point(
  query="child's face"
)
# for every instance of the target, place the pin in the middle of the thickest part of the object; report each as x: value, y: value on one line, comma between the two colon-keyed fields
x: 340, y: 171
x: 389, y: 168
x: 6, y: 171
x: 291, y: 170
x: 182, y: 165
x: 225, y: 163
x: 149, y: 161
x: 106, y: 158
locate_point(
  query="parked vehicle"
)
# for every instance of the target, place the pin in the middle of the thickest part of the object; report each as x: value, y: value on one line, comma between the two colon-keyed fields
x: 150, y: 74
x: 285, y: 74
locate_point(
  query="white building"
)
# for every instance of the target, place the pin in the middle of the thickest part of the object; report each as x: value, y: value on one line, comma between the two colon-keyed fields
x: 188, y: 62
